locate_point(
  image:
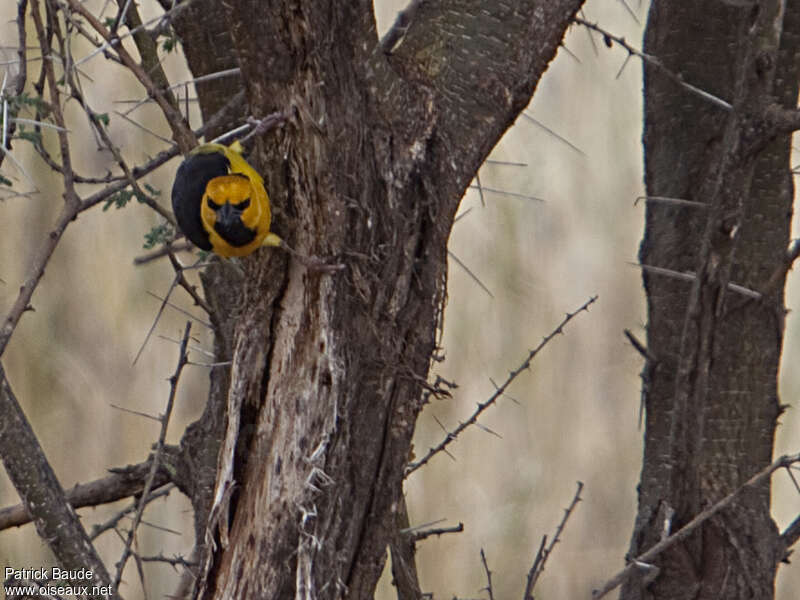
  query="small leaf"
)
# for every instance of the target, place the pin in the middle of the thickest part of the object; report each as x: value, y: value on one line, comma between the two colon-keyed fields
x: 118, y: 200
x: 160, y: 234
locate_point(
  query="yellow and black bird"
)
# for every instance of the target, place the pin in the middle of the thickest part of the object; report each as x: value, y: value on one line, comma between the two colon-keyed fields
x: 220, y: 202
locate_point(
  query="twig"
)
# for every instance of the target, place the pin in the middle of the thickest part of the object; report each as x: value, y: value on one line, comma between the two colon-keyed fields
x: 190, y: 289
x: 545, y: 551
x: 120, y: 484
x: 426, y: 533
x: 540, y: 556
x: 22, y: 74
x: 777, y: 278
x: 507, y: 193
x: 101, y: 528
x: 671, y: 200
x: 691, y: 276
x: 507, y: 163
x: 482, y: 406
x: 181, y: 133
x: 789, y: 537
x: 175, y: 561
x: 38, y: 487
x: 479, y: 187
x: 558, y: 136
x: 469, y: 272
x: 72, y: 204
x: 178, y: 279
x: 22, y: 303
x: 138, y: 413
x: 168, y: 15
x: 162, y: 252
x: 173, y: 388
x: 394, y: 37
x: 647, y: 557
x: 140, y: 571
x: 488, y: 576
x: 630, y: 11
x: 655, y: 62
x: 184, y: 312
x: 639, y: 346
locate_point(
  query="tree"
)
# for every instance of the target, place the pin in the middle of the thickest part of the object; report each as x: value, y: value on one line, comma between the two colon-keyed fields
x: 295, y: 468
x: 329, y: 370
x: 710, y: 383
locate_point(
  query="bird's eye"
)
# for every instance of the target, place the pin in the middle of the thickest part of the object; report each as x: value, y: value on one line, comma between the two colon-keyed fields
x: 244, y: 204
x: 213, y: 205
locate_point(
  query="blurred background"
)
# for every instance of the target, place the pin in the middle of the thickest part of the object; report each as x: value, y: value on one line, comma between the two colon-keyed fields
x: 574, y: 416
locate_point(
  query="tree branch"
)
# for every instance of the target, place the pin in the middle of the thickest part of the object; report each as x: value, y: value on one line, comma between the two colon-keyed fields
x: 647, y: 557
x: 482, y: 406
x: 72, y: 204
x: 122, y: 483
x: 151, y: 476
x: 44, y: 499
x: 545, y: 550
x: 181, y: 132
x: 654, y: 61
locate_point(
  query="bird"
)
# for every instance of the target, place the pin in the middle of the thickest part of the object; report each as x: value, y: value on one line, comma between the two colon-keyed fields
x: 220, y: 202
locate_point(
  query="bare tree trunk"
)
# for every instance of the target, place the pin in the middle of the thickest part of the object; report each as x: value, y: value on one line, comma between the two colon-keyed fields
x: 711, y: 382
x: 329, y: 367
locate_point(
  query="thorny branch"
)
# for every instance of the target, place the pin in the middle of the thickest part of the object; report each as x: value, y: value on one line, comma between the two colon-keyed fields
x: 482, y: 406
x: 545, y: 549
x: 100, y: 528
x: 418, y: 536
x: 180, y: 130
x: 72, y: 204
x: 489, y: 588
x: 644, y: 559
x: 122, y: 483
x: 76, y: 205
x: 173, y: 382
x: 39, y: 488
x: 654, y: 61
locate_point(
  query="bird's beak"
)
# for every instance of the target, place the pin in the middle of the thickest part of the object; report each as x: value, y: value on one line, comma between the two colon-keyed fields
x: 227, y: 215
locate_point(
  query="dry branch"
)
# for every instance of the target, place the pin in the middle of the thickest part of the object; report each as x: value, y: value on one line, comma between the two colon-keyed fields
x: 482, y: 406
x: 44, y: 499
x: 646, y: 558
x: 655, y: 62
x: 157, y: 455
x: 122, y: 483
x: 545, y: 549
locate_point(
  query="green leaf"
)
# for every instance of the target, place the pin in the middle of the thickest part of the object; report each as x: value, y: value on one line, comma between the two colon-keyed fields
x: 119, y: 200
x: 35, y: 137
x: 160, y: 234
x: 170, y: 43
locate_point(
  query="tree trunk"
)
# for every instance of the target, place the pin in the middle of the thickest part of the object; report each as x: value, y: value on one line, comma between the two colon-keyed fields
x: 329, y: 366
x: 711, y: 382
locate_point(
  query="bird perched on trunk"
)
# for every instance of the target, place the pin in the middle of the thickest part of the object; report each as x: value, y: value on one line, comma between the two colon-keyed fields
x: 220, y: 202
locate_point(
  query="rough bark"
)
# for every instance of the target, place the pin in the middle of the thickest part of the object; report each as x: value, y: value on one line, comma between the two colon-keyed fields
x: 711, y: 390
x: 328, y: 367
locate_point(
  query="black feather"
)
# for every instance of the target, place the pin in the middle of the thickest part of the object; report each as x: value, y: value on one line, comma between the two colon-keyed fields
x: 187, y: 193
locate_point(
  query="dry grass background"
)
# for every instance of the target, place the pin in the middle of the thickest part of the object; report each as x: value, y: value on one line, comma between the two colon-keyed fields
x: 577, y: 411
